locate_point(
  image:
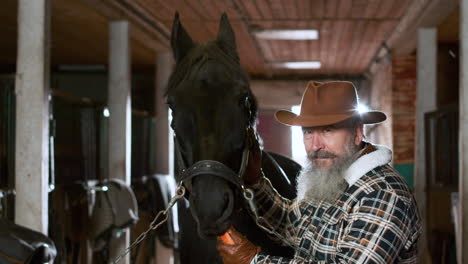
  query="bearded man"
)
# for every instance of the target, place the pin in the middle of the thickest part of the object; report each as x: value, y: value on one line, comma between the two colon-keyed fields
x: 351, y: 205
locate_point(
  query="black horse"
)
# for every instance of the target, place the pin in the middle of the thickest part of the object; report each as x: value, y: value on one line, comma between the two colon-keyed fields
x: 213, y: 110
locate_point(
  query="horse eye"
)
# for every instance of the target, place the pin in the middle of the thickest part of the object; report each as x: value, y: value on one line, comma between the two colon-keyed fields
x: 245, y: 100
x: 170, y: 103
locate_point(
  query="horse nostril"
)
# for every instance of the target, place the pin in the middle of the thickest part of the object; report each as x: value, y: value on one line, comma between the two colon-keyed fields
x: 227, y: 200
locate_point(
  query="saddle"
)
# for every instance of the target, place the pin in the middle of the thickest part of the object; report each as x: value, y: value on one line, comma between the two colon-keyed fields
x: 114, y: 210
x: 70, y: 221
x: 22, y: 245
x: 162, y: 188
x: 153, y: 195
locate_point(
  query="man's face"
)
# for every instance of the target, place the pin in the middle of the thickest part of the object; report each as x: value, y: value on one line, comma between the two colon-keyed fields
x: 326, y: 144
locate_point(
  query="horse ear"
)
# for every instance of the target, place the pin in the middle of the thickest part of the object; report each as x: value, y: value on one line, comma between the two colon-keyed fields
x: 226, y: 37
x: 181, y: 42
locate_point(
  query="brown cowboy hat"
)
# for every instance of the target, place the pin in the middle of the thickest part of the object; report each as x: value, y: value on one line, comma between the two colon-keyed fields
x: 326, y: 103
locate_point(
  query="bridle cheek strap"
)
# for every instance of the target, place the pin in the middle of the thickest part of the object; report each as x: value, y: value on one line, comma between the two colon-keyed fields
x: 211, y: 167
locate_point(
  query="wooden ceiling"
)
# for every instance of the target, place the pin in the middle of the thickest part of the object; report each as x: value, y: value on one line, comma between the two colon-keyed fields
x: 350, y: 31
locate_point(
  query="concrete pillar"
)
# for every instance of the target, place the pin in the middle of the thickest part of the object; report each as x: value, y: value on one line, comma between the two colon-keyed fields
x: 164, y: 149
x: 164, y: 144
x: 32, y: 115
x: 119, y: 101
x: 425, y: 102
x: 462, y: 243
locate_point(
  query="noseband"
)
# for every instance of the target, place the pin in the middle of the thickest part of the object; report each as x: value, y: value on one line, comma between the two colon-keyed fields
x: 213, y: 167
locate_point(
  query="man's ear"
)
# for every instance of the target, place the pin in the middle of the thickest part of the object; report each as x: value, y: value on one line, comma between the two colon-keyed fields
x: 359, y: 134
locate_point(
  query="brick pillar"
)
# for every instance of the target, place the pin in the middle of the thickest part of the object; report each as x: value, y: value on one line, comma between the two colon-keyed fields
x: 404, y: 115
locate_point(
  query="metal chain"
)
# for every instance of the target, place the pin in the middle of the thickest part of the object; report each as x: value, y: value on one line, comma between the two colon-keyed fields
x: 259, y: 220
x: 180, y: 192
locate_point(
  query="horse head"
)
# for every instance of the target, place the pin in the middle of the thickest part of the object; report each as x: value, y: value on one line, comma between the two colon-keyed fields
x: 212, y: 110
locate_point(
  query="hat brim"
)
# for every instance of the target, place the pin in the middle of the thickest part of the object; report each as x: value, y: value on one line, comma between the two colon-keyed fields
x: 291, y: 119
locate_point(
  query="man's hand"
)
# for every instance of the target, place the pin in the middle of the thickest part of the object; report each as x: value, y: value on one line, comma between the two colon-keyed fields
x: 241, y: 251
x: 253, y: 172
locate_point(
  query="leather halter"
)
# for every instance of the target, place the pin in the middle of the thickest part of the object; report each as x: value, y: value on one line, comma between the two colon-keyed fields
x: 213, y: 167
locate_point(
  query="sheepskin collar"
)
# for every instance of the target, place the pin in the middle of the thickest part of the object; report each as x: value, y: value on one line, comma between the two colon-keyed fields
x: 369, y: 158
x: 367, y: 162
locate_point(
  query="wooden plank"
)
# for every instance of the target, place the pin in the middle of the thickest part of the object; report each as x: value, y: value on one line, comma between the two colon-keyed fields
x: 326, y: 31
x: 338, y: 31
x: 379, y: 37
x: 198, y: 30
x: 344, y: 8
x: 385, y: 8
x: 358, y: 9
x: 384, y: 30
x: 317, y: 8
x: 399, y: 9
x: 228, y: 7
x: 276, y: 50
x: 314, y: 45
x: 365, y: 45
x: 346, y: 37
x: 372, y: 8
x: 295, y: 47
x: 331, y: 7
x: 370, y: 48
x: 163, y: 10
x: 359, y: 29
x: 305, y: 51
x: 290, y: 9
x: 212, y: 28
x: 303, y: 9
x: 205, y: 9
x: 266, y: 50
x: 184, y: 10
x: 250, y: 54
x: 277, y: 9
x: 267, y: 47
x: 265, y: 10
x: 249, y: 8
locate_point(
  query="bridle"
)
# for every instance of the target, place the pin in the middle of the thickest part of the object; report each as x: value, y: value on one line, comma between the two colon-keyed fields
x: 213, y: 167
x: 216, y: 168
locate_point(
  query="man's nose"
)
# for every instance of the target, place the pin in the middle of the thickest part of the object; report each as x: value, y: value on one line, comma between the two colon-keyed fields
x: 315, y: 143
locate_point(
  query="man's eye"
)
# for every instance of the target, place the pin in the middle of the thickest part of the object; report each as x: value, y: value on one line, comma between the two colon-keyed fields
x: 306, y: 132
x: 327, y: 130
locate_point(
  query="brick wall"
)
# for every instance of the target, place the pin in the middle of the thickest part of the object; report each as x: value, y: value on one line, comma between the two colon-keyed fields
x: 404, y: 108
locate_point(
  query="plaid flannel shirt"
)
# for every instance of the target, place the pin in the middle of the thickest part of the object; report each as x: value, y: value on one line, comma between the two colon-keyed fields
x: 375, y: 221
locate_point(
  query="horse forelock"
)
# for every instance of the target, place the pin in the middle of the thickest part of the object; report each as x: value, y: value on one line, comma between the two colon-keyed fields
x: 198, y: 56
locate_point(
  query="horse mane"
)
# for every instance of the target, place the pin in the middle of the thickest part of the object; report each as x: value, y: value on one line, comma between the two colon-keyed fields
x: 214, y: 51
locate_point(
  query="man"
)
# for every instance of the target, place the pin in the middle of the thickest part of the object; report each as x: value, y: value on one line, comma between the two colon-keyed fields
x: 351, y: 205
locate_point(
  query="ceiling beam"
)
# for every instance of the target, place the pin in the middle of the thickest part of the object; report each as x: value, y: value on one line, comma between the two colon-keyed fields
x: 276, y: 94
x: 421, y: 13
x: 145, y: 29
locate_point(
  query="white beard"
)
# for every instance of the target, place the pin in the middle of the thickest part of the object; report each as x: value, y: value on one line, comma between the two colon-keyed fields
x: 324, y: 184
x: 319, y: 184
